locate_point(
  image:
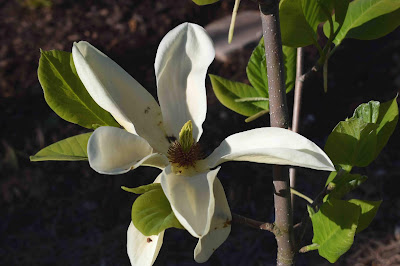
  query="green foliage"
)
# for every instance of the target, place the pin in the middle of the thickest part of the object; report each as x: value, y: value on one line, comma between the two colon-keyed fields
x: 385, y: 115
x: 352, y: 143
x: 65, y: 93
x: 70, y: 149
x: 151, y: 211
x: 368, y: 212
x: 257, y: 68
x: 204, y: 2
x: 228, y: 91
x: 300, y: 19
x: 345, y: 183
x: 334, y: 226
x: 359, y: 140
x: 142, y: 189
x: 367, y: 19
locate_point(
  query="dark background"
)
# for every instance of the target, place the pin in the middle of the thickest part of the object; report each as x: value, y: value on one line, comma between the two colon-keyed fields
x: 63, y: 213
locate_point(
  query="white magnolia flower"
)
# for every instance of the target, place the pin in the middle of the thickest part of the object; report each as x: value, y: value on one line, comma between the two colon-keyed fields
x: 151, y: 137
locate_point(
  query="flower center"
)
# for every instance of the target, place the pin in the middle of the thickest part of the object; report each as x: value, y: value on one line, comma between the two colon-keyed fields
x: 184, y: 153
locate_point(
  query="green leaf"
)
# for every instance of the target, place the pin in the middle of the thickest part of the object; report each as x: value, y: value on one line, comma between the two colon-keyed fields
x: 289, y: 59
x: 377, y: 27
x: 361, y: 12
x: 345, y: 183
x: 385, y: 115
x: 340, y: 7
x: 204, y: 2
x: 334, y: 228
x: 70, y: 149
x: 368, y: 212
x: 300, y: 19
x: 352, y: 143
x: 257, y: 68
x: 152, y: 213
x: 65, y: 93
x: 228, y: 91
x: 142, y: 189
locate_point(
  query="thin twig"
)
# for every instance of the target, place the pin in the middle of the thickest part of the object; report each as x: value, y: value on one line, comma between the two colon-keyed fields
x: 239, y: 219
x: 298, y: 91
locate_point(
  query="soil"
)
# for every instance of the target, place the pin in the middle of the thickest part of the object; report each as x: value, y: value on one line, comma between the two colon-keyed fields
x: 63, y: 213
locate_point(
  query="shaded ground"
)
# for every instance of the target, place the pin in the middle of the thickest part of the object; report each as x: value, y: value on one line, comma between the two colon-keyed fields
x: 63, y: 213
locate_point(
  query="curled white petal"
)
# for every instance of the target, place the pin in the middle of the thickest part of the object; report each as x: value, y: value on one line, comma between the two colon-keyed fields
x: 115, y: 151
x: 118, y: 93
x: 191, y: 198
x: 220, y: 226
x: 271, y: 145
x: 182, y: 59
x: 142, y: 250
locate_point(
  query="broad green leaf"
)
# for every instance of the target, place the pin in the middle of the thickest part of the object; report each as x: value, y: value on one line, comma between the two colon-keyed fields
x: 228, y: 91
x: 70, y: 149
x: 152, y: 213
x: 65, y: 93
x: 345, y: 183
x: 377, y: 27
x: 368, y: 212
x: 364, y: 11
x: 257, y: 68
x: 204, y: 2
x: 142, y: 189
x: 384, y: 115
x: 289, y: 59
x: 334, y: 227
x: 352, y: 143
x: 299, y: 21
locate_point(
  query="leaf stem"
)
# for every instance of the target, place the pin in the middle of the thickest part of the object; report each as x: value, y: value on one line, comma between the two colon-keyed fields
x: 233, y: 19
x: 251, y: 99
x: 308, y: 248
x: 301, y: 195
x: 255, y: 116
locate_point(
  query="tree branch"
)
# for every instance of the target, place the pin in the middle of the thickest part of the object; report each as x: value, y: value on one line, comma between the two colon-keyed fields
x: 269, y: 12
x: 298, y: 91
x: 239, y: 219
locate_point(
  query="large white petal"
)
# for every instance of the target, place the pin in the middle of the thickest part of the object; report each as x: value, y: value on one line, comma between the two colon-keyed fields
x: 181, y: 65
x: 273, y: 146
x: 142, y: 250
x: 219, y: 229
x: 115, y: 151
x: 118, y: 93
x: 191, y: 199
x: 157, y: 160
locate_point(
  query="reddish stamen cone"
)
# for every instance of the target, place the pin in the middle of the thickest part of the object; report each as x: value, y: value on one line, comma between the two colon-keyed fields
x: 177, y: 155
